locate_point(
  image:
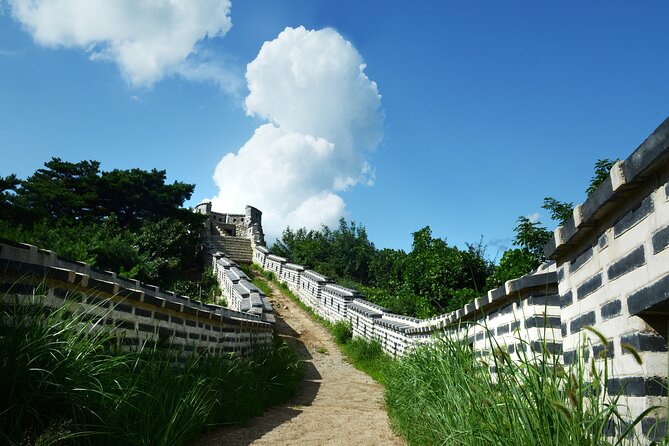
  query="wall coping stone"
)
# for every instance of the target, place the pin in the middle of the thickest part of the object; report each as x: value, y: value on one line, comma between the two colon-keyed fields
x: 650, y: 157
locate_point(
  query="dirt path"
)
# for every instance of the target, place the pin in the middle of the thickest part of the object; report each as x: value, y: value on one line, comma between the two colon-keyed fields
x: 337, y: 404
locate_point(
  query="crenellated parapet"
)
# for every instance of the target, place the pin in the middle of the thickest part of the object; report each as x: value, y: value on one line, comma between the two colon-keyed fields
x: 139, y: 313
x: 241, y: 294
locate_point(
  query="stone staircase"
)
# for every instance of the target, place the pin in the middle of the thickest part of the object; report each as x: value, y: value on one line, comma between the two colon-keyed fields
x: 237, y: 249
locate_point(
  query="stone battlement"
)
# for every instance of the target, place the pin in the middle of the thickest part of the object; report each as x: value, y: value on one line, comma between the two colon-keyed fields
x: 140, y: 313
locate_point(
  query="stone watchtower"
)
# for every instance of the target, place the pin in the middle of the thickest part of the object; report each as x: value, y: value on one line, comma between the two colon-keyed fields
x: 253, y: 221
x: 233, y: 234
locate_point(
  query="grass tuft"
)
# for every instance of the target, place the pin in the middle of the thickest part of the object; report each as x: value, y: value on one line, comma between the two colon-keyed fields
x: 342, y: 332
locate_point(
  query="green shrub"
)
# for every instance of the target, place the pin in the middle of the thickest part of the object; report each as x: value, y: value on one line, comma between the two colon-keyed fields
x: 342, y: 332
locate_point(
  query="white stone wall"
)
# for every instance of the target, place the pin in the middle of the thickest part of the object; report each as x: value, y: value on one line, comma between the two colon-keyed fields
x: 290, y: 275
x: 274, y: 264
x: 613, y: 258
x: 141, y: 314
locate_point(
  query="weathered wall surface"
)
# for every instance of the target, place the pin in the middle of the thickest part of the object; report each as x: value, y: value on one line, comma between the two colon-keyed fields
x: 613, y: 259
x: 139, y: 312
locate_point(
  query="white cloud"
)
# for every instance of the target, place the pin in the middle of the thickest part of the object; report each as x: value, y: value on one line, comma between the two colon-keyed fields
x: 534, y: 217
x: 324, y: 117
x: 147, y: 39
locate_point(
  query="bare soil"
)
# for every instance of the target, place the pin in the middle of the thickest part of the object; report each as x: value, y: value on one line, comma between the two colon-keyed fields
x: 336, y: 404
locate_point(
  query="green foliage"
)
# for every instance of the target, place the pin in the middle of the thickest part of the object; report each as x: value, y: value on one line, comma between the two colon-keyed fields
x: 81, y: 192
x: 342, y: 332
x: 61, y: 190
x: 602, y: 170
x: 61, y: 381
x: 386, y: 269
x: 422, y: 283
x: 532, y: 237
x: 127, y: 221
x: 436, y: 271
x: 461, y: 297
x: 513, y: 264
x: 561, y: 211
x: 343, y: 253
x: 261, y: 283
x: 443, y: 394
x: 206, y: 289
x: 8, y: 187
x: 399, y: 301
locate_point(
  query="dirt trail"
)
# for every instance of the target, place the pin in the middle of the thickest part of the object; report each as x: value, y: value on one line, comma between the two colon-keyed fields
x: 336, y: 404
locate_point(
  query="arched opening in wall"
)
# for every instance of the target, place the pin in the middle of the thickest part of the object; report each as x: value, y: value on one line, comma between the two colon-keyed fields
x: 657, y: 318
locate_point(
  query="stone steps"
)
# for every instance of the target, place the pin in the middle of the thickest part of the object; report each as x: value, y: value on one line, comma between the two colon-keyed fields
x: 237, y: 249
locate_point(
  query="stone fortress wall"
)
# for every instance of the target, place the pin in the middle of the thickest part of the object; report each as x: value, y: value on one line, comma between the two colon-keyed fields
x: 610, y: 271
x: 247, y: 225
x: 140, y: 314
x: 241, y: 294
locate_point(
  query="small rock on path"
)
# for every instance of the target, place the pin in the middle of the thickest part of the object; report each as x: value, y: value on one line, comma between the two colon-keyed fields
x: 335, y: 405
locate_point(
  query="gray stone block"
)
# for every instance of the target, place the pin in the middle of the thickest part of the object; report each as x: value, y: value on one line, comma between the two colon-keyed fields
x: 553, y: 348
x: 597, y: 200
x: 628, y: 263
x: 589, y: 286
x: 660, y: 240
x: 540, y: 321
x: 647, y: 297
x: 597, y: 350
x: 544, y: 300
x: 611, y: 309
x: 569, y: 357
x: 580, y: 260
x: 653, y: 148
x: 645, y: 342
x: 602, y: 241
x: 142, y: 312
x: 638, y: 213
x: 566, y: 299
x: 637, y: 386
x: 586, y: 319
x: 535, y: 280
x: 655, y: 429
x: 502, y: 329
x: 125, y: 308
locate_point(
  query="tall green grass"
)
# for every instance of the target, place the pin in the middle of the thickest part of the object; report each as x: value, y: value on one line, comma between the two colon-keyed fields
x: 64, y: 382
x: 441, y: 394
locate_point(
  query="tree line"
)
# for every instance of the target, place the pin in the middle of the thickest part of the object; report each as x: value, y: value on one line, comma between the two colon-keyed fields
x: 129, y: 221
x: 133, y: 222
x: 434, y: 277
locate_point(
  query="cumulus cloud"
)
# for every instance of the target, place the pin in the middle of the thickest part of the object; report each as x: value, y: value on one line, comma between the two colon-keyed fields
x: 146, y: 39
x: 323, y: 117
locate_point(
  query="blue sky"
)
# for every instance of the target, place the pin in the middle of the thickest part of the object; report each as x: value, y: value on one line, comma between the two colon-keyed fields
x: 485, y: 107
